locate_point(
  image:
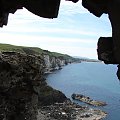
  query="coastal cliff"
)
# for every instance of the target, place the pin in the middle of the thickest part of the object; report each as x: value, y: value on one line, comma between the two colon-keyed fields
x: 54, y: 63
x: 22, y: 86
x: 24, y: 92
x: 18, y: 95
x: 22, y: 82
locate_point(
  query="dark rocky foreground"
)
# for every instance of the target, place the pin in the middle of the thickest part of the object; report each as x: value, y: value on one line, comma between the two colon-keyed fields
x: 68, y: 110
x: 24, y: 94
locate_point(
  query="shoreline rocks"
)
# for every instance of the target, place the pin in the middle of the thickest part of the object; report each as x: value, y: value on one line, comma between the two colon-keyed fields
x: 23, y: 86
x: 87, y: 100
x: 68, y: 110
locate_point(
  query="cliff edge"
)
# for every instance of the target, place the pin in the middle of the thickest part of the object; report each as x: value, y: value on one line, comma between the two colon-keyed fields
x: 22, y: 87
x: 25, y: 94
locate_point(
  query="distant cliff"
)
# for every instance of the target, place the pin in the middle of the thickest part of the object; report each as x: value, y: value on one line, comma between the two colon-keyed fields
x: 22, y: 83
x: 23, y: 87
x: 52, y: 60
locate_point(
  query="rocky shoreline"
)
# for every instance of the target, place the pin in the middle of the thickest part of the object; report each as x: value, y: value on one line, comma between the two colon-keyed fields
x: 68, y: 110
x: 88, y: 100
x: 25, y: 94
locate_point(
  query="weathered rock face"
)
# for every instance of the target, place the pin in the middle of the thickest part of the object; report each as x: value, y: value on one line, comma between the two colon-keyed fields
x: 21, y: 84
x: 114, y: 17
x: 68, y: 110
x: 54, y: 63
x: 105, y: 50
x: 19, y: 76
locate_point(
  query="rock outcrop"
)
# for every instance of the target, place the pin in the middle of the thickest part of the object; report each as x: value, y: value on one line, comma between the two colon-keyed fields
x: 87, y: 99
x: 54, y: 63
x: 22, y: 86
x: 68, y: 110
x: 19, y: 76
x: 105, y: 50
x: 25, y: 95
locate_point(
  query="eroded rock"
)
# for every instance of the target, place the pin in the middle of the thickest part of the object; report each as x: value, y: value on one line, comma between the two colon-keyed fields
x: 87, y: 100
x: 17, y: 76
x: 68, y: 110
x: 22, y: 86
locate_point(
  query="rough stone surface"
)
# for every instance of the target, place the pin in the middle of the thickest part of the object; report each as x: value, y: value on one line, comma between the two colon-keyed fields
x: 22, y: 87
x: 18, y: 74
x: 68, y: 110
x: 87, y: 100
x: 54, y: 63
x: 24, y: 94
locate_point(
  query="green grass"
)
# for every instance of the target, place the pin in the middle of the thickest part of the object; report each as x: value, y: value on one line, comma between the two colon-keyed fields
x: 32, y: 50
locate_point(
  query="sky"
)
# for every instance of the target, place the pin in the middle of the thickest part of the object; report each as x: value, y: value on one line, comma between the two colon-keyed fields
x: 75, y: 32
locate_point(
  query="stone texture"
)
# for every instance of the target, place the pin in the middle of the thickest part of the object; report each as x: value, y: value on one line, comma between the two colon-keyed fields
x: 105, y: 50
x: 54, y: 63
x: 18, y: 74
x: 22, y: 86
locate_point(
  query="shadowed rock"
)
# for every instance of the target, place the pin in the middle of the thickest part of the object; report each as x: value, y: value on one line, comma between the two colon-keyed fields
x: 87, y: 100
x: 105, y: 50
x: 42, y: 8
x: 21, y: 84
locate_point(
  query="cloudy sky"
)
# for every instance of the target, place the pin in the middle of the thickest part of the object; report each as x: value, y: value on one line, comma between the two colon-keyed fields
x: 74, y: 32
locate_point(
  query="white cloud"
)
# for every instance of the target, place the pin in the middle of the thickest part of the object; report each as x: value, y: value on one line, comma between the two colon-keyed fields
x: 42, y: 39
x: 74, y: 47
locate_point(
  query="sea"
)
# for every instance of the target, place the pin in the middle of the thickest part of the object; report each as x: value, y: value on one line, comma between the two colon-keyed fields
x: 93, y: 79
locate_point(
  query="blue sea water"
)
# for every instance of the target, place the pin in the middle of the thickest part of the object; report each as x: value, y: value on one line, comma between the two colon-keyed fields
x: 96, y: 80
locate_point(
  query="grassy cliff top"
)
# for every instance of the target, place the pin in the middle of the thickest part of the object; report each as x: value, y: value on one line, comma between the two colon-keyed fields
x: 31, y: 51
